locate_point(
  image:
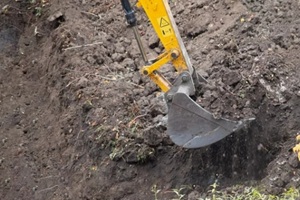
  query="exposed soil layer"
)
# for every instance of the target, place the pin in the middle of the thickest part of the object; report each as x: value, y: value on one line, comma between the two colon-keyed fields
x: 78, y: 121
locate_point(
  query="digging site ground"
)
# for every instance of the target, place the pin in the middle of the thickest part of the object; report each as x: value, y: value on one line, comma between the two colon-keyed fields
x: 78, y: 121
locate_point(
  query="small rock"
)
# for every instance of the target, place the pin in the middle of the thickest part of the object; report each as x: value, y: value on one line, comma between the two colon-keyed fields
x: 152, y: 136
x: 296, y: 181
x: 293, y: 161
x: 286, y: 177
x: 153, y: 41
x: 180, y: 8
x: 117, y: 57
x: 186, y: 11
x: 117, y: 66
x: 128, y: 62
x: 91, y: 60
x: 109, y: 19
x: 217, y: 57
x: 136, y: 78
x: 167, y: 141
x: 133, y: 51
x: 231, y: 78
x: 127, y: 41
x: 119, y: 48
x: 277, y: 182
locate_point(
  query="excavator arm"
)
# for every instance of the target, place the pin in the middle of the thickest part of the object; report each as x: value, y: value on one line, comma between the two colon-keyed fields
x: 189, y: 125
x: 163, y: 23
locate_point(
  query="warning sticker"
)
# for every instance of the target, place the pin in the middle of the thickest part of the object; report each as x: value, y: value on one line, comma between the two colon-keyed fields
x: 165, y: 26
x: 163, y: 22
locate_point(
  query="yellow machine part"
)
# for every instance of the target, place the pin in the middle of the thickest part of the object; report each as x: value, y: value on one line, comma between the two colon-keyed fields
x: 296, y: 149
x: 162, y: 23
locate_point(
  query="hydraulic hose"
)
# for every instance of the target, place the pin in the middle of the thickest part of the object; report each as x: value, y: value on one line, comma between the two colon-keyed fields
x: 131, y: 20
x: 129, y: 13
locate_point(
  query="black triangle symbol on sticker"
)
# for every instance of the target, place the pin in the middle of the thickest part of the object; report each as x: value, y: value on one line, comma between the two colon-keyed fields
x: 163, y: 22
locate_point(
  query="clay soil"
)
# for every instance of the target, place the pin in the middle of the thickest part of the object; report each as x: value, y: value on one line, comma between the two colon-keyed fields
x: 78, y: 121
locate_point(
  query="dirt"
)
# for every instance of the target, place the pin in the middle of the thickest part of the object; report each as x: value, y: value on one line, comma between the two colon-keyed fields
x: 78, y: 121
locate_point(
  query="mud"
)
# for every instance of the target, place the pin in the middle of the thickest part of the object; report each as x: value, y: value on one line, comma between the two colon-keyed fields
x: 78, y: 121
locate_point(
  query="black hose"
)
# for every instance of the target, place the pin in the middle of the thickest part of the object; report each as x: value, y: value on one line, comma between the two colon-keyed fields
x: 129, y: 13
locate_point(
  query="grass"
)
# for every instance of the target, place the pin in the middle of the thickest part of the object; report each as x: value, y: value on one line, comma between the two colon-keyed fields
x: 247, y: 193
x: 251, y: 193
x: 37, y: 6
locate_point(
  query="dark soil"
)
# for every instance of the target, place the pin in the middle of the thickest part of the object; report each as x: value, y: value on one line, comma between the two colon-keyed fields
x: 78, y: 121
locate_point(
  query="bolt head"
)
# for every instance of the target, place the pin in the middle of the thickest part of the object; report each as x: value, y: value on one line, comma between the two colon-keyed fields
x: 174, y: 55
x: 184, y: 78
x: 145, y: 72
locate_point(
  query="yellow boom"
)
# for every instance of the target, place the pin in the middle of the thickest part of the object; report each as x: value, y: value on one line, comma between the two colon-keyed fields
x: 159, y: 14
x: 162, y: 20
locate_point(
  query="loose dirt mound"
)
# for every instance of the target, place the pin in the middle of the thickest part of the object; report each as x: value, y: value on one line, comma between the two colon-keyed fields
x: 78, y: 121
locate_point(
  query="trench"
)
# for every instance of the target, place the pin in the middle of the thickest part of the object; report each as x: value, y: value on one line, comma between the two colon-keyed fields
x: 244, y: 156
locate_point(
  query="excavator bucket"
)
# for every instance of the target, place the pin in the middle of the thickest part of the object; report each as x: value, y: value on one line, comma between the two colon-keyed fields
x: 191, y: 126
